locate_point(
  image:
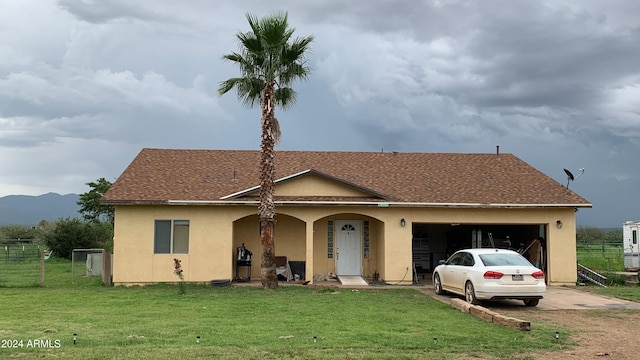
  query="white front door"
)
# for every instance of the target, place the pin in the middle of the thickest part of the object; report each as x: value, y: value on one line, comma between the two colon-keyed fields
x: 348, y: 258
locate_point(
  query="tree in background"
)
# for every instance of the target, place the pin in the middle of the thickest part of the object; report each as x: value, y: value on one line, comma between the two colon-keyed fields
x: 64, y: 235
x: 591, y: 234
x: 90, y: 206
x: 70, y: 234
x: 14, y: 232
x: 270, y: 60
x: 95, y: 231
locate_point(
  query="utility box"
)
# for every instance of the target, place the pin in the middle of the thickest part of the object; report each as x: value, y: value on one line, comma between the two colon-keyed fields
x: 94, y: 264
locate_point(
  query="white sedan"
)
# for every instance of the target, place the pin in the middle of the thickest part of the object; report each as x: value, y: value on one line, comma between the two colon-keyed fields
x: 490, y: 274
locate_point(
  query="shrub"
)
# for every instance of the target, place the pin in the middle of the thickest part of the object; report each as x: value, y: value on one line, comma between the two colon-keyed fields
x: 70, y: 234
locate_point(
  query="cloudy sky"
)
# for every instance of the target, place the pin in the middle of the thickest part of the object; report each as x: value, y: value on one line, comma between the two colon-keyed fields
x: 86, y: 84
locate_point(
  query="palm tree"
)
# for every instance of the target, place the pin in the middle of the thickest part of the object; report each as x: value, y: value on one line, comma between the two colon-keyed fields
x: 269, y: 60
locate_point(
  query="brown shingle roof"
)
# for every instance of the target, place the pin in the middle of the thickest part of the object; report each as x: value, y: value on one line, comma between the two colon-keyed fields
x: 161, y: 175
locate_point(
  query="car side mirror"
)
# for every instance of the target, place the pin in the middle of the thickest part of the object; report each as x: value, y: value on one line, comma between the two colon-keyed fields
x: 442, y: 262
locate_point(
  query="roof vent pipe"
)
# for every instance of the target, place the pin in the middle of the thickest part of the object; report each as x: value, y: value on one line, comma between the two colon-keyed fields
x: 497, y: 150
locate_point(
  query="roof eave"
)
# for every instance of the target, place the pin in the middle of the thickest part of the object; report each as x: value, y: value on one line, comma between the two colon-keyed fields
x: 133, y: 202
x: 376, y: 204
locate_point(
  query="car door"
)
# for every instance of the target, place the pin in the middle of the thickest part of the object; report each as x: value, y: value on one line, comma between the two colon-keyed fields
x: 449, y: 276
x: 459, y: 273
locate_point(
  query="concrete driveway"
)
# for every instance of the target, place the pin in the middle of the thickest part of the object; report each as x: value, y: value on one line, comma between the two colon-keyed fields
x: 556, y: 298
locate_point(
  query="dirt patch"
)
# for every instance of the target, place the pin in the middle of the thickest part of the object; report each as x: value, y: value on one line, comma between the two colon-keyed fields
x: 599, y: 334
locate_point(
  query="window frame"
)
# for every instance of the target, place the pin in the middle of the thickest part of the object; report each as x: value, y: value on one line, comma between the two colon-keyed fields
x: 177, y: 236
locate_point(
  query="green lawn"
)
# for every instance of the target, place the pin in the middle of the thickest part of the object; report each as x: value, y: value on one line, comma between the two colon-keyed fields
x: 19, y: 265
x: 155, y: 322
x: 628, y: 292
x: 601, y: 257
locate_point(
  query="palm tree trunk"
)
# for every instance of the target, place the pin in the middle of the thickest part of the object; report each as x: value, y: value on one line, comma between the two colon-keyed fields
x: 266, y: 209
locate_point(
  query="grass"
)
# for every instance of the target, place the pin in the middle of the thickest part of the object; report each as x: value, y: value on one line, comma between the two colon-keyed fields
x: 155, y: 322
x: 601, y: 257
x: 19, y: 265
x: 628, y: 292
x: 22, y: 274
x: 57, y: 274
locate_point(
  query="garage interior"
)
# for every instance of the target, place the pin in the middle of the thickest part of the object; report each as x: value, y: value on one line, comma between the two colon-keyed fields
x: 435, y: 242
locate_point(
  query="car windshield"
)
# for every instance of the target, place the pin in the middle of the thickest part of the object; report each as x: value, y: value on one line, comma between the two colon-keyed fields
x: 501, y: 259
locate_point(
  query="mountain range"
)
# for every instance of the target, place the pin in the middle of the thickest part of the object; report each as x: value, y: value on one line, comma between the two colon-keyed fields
x: 30, y: 210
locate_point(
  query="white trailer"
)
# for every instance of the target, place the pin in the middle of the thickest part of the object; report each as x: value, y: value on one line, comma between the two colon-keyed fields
x: 630, y: 235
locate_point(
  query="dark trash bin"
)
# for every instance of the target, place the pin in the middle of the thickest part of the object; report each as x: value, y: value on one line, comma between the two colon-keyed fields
x: 298, y: 267
x: 220, y: 282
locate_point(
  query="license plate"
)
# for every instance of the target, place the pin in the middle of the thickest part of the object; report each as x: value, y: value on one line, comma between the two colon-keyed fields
x: 517, y: 278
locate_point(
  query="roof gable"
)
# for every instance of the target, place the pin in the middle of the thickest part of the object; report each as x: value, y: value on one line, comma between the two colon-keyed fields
x: 164, y: 175
x: 311, y: 183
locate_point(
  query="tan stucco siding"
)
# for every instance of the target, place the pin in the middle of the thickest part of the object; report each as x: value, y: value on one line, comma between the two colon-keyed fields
x: 210, y: 248
x: 561, y: 245
x: 132, y: 252
x: 322, y: 263
x: 215, y: 232
x: 290, y: 236
x: 313, y: 185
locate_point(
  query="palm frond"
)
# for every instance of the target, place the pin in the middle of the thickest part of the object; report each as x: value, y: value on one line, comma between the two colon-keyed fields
x: 227, y: 85
x: 251, y: 42
x: 285, y: 97
x: 275, y: 31
x: 268, y: 53
x: 293, y: 72
x: 299, y: 47
x: 275, y: 130
x: 249, y: 91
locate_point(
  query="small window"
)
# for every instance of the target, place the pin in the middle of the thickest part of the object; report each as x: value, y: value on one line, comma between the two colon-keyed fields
x: 456, y: 259
x: 348, y: 227
x: 171, y: 237
x: 468, y: 260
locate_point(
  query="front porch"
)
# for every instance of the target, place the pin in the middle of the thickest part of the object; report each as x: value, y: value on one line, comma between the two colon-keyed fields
x: 340, y: 244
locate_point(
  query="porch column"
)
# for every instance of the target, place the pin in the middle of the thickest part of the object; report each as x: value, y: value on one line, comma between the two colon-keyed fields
x: 308, y: 274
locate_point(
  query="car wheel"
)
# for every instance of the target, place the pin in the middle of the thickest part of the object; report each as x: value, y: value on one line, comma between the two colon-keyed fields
x: 470, y: 294
x: 437, y: 284
x: 531, y: 302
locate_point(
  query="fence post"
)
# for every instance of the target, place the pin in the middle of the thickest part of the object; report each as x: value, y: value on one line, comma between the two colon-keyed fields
x: 41, y: 268
x: 106, y: 267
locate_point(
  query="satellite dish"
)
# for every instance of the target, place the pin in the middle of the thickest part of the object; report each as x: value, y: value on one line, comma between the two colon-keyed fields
x: 570, y: 176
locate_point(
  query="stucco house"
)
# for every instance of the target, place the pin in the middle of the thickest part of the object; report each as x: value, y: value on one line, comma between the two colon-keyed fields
x: 347, y: 213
